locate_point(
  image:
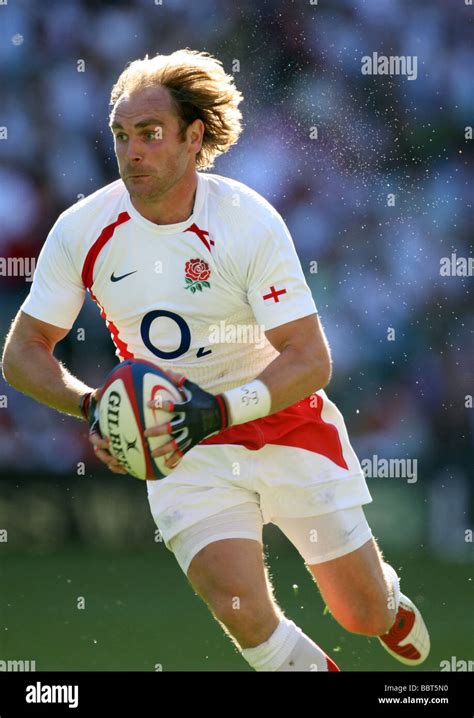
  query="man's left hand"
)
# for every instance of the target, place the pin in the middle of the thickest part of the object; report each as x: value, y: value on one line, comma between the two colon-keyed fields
x: 198, y: 416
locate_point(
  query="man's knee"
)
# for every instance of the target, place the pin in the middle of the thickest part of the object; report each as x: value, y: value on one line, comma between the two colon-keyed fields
x: 228, y: 567
x: 370, y: 616
x: 250, y: 619
x: 247, y: 612
x: 230, y: 578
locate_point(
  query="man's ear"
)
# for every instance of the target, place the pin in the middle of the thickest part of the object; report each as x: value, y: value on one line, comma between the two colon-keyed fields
x: 196, y: 129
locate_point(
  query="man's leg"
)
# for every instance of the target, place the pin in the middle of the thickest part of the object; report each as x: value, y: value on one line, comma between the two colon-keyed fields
x: 361, y: 596
x: 360, y: 589
x: 229, y: 574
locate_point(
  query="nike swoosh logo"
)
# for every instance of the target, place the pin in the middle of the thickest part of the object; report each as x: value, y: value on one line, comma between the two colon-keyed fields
x: 113, y: 278
x: 202, y: 352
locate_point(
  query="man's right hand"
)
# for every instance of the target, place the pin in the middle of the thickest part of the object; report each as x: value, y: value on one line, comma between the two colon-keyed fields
x: 99, y: 443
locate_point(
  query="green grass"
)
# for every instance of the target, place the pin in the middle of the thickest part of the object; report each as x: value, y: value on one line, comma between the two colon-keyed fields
x: 140, y: 611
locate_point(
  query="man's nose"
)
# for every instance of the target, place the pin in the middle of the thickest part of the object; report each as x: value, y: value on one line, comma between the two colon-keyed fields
x: 134, y: 150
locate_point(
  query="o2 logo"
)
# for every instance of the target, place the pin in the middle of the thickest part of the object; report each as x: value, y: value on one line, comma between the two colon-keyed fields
x: 184, y: 344
x: 145, y: 326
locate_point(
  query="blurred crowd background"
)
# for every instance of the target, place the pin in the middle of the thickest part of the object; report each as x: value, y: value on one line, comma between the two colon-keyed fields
x: 372, y: 175
x: 373, y: 263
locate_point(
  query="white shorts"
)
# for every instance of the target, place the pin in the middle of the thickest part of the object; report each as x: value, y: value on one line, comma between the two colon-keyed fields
x: 317, y: 538
x: 296, y: 463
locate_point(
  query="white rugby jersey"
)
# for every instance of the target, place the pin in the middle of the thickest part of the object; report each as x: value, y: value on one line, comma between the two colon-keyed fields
x: 194, y: 297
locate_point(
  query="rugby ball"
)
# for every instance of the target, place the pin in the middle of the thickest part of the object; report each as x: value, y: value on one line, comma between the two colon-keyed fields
x: 124, y: 415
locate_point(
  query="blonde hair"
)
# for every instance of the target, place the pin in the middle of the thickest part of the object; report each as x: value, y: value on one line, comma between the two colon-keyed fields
x: 199, y: 88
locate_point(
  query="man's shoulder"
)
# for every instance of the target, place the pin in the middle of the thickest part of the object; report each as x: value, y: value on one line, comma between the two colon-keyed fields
x: 235, y: 197
x: 97, y: 209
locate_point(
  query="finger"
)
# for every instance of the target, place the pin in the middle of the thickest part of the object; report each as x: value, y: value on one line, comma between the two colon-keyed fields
x: 113, y: 464
x: 103, y: 455
x: 173, y: 460
x: 163, y: 404
x: 167, y: 448
x: 158, y: 430
x: 118, y: 469
x: 177, y: 424
x: 106, y: 457
x: 177, y: 379
x: 99, y: 441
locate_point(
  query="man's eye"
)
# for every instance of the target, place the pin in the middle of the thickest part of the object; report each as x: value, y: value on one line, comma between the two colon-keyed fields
x: 120, y: 136
x: 153, y: 135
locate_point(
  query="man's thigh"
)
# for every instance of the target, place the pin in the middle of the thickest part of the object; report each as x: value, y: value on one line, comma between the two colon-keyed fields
x: 342, y: 556
x: 231, y: 577
x: 352, y: 581
x: 196, y: 545
x: 224, y: 561
x: 230, y: 570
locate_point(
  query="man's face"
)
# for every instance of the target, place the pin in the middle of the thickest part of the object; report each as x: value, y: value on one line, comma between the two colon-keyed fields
x: 151, y: 156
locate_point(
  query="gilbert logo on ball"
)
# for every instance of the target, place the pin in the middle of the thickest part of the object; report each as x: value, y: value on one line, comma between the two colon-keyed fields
x: 124, y: 415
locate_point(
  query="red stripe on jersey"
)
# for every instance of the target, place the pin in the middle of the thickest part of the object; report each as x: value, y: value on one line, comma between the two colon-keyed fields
x: 124, y: 353
x: 300, y: 426
x: 106, y: 234
x: 88, y: 280
x: 201, y: 233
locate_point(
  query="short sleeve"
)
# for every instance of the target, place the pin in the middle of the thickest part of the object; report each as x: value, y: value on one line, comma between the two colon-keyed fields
x: 57, y: 293
x: 276, y: 287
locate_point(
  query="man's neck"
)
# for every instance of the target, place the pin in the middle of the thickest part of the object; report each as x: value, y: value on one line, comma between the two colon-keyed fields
x: 176, y: 206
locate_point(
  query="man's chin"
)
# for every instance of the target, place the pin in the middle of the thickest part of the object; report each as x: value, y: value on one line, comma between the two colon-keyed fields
x: 144, y: 193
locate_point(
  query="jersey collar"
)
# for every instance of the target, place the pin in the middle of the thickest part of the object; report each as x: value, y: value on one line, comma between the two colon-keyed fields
x: 176, y: 228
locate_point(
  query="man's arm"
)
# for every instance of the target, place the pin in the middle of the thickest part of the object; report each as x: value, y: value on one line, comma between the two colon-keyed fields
x: 29, y: 365
x: 304, y: 364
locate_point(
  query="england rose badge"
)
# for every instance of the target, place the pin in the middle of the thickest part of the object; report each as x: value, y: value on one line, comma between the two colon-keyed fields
x: 197, y: 273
